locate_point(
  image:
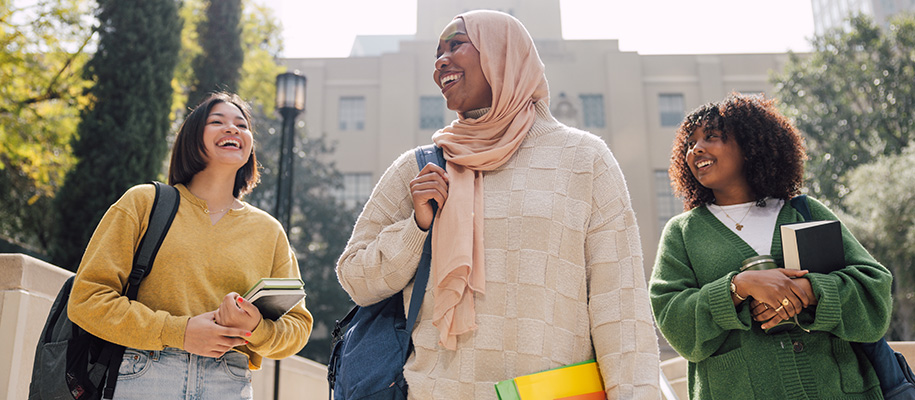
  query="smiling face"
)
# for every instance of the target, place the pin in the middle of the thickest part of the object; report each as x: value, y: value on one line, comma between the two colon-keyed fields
x: 717, y: 163
x: 226, y: 137
x: 458, y: 72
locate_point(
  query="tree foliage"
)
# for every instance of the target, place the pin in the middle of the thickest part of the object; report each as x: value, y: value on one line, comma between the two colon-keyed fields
x: 319, y: 228
x: 45, y: 46
x: 881, y: 212
x: 218, y: 65
x: 853, y: 98
x: 261, y: 43
x: 121, y: 133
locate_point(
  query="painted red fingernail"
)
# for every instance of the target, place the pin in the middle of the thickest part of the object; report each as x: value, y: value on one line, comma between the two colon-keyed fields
x: 241, y: 299
x: 247, y: 333
x: 246, y: 342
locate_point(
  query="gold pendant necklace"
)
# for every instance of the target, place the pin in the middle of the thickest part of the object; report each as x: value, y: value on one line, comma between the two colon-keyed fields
x: 208, y: 212
x: 736, y: 222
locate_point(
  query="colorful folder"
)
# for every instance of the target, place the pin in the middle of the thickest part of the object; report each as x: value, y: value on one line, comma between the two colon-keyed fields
x: 579, y: 381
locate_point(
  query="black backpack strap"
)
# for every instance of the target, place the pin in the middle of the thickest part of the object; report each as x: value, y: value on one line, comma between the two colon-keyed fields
x: 799, y: 203
x: 165, y: 206
x: 424, y: 154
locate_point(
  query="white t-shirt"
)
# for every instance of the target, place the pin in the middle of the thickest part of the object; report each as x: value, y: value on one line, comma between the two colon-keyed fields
x: 758, y: 223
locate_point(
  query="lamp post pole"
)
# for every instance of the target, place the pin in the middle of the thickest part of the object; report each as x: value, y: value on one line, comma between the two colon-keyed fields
x: 290, y: 102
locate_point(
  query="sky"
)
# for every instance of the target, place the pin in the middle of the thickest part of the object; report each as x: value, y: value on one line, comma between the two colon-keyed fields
x: 326, y: 28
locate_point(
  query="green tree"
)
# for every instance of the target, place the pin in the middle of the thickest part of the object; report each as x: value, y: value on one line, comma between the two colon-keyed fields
x: 218, y: 65
x: 319, y: 228
x: 44, y: 50
x: 261, y: 44
x: 121, y: 134
x: 881, y: 212
x: 853, y: 98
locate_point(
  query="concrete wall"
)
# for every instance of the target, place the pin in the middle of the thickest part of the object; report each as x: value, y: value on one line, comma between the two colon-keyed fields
x: 28, y: 287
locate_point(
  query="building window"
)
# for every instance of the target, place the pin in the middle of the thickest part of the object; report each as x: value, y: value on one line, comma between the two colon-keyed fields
x: 592, y: 106
x: 352, y: 113
x: 668, y: 204
x: 431, y: 112
x: 671, y: 108
x: 357, y: 187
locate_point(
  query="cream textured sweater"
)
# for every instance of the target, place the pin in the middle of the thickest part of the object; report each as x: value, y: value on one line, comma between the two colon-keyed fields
x: 564, y: 277
x: 197, y: 264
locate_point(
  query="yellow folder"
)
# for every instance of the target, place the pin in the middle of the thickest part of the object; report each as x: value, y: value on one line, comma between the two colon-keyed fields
x: 568, y: 381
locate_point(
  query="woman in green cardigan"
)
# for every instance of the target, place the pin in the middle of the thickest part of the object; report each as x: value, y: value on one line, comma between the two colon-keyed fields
x: 736, y: 163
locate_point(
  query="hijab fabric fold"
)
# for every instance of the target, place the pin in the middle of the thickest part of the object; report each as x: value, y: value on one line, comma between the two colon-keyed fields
x: 512, y: 67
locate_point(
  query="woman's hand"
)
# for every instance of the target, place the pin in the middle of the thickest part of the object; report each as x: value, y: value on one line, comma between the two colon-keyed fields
x: 203, y: 337
x: 776, y: 295
x: 762, y: 312
x: 235, y: 312
x: 430, y: 184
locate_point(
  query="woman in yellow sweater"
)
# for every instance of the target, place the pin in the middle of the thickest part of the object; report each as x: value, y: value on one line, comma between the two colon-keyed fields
x: 189, y: 333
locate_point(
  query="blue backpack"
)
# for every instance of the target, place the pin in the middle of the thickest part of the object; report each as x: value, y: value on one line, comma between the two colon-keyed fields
x: 896, y: 379
x: 367, y: 361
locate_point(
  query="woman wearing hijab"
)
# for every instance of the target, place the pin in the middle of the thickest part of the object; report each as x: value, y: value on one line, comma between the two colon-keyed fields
x: 536, y: 257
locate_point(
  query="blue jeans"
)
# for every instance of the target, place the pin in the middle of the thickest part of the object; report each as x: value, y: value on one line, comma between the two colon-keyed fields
x: 176, y: 374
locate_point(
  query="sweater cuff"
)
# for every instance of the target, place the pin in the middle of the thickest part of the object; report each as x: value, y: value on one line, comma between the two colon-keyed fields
x: 828, y: 312
x: 173, y: 331
x: 724, y: 313
x: 413, y: 236
x: 260, y: 335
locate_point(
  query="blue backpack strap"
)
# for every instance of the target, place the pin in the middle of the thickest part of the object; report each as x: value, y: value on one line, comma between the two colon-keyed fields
x: 429, y: 153
x: 799, y: 203
x: 424, y: 154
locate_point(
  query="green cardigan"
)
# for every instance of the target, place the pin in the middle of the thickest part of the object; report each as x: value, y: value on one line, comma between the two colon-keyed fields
x: 730, y: 357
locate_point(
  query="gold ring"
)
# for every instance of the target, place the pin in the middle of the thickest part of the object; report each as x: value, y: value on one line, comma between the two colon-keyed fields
x: 779, y: 308
x: 785, y: 302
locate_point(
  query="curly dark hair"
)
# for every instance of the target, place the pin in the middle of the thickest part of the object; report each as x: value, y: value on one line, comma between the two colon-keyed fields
x: 773, y: 151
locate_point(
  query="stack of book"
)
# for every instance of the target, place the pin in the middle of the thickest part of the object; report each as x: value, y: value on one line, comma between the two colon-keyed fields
x: 274, y: 297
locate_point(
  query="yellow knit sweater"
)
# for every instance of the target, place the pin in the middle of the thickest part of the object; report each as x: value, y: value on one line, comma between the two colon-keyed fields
x: 197, y: 264
x: 564, y: 277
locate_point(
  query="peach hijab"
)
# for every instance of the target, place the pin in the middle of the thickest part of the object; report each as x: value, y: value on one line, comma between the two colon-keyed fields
x: 513, y: 69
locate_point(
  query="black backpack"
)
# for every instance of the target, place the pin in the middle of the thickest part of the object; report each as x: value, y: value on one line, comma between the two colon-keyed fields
x: 71, y: 363
x: 367, y: 361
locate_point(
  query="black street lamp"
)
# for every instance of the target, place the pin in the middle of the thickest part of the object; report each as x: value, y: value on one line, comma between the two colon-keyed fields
x: 290, y: 101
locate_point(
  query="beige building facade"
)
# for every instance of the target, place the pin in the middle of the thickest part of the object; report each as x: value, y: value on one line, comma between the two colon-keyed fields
x: 382, y: 101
